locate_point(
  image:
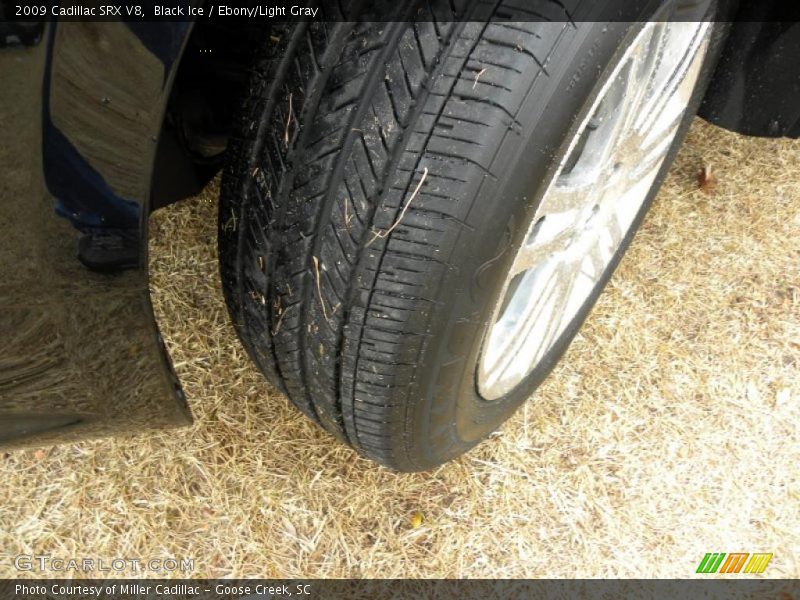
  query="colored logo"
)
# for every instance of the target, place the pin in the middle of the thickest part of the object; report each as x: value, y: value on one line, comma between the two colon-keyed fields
x: 734, y: 563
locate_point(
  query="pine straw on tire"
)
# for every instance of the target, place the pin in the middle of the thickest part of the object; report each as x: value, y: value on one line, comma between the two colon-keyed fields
x: 671, y: 429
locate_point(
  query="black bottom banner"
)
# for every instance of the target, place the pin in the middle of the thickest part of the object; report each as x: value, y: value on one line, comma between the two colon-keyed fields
x: 254, y: 589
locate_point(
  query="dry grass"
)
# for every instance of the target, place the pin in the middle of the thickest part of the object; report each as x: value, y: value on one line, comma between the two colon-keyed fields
x: 670, y: 430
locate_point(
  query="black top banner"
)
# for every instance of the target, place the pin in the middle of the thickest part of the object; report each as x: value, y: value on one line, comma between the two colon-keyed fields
x: 30, y: 12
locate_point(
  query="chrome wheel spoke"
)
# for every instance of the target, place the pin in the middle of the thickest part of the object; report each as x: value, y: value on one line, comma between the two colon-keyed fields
x: 532, y: 254
x: 565, y: 197
x: 521, y: 331
x: 558, y: 316
x: 646, y: 155
x: 636, y: 75
x: 672, y: 87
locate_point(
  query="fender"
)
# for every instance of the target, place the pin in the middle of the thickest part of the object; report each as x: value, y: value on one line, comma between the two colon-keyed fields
x: 81, y: 109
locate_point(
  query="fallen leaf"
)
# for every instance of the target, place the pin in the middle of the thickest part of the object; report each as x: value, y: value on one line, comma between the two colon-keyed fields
x: 706, y: 180
x: 416, y: 519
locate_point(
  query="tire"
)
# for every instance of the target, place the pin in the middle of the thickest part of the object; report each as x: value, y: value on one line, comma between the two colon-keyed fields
x: 383, y: 177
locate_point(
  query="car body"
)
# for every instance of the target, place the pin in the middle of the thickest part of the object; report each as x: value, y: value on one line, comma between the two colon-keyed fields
x: 102, y: 123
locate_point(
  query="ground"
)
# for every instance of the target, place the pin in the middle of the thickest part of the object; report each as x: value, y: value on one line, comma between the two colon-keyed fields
x: 670, y: 429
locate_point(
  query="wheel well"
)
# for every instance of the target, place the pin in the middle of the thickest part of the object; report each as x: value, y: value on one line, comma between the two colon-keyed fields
x: 754, y: 90
x: 208, y: 88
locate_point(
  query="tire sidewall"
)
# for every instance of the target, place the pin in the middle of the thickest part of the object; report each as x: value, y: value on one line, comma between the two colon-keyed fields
x: 449, y: 415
